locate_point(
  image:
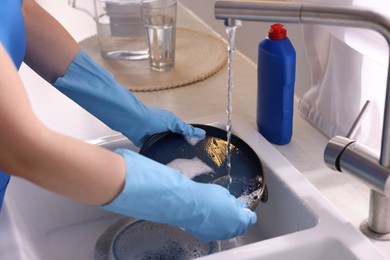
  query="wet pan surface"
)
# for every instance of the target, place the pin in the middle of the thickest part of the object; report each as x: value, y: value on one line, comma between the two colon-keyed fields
x: 211, y: 156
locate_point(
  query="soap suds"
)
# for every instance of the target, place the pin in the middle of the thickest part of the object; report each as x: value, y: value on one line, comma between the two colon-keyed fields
x: 249, y: 199
x: 190, y: 167
x: 193, y: 140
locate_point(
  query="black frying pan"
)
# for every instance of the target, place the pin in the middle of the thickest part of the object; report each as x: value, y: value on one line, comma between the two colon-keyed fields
x: 246, y: 169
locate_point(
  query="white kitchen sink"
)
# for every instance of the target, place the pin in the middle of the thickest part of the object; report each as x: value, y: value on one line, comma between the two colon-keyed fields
x: 295, y: 223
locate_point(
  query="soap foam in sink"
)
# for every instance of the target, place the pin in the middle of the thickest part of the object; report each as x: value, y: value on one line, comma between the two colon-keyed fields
x: 190, y: 167
x: 144, y: 240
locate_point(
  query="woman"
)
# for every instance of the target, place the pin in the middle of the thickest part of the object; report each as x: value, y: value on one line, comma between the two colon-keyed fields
x: 133, y: 185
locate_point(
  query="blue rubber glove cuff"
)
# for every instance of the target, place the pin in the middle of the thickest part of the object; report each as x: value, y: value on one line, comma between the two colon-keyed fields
x: 155, y: 192
x: 95, y: 89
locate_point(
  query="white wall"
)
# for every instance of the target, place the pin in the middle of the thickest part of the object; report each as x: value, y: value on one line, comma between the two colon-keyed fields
x: 250, y: 34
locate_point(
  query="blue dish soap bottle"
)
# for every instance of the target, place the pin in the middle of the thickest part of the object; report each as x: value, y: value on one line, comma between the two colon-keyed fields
x: 275, y: 82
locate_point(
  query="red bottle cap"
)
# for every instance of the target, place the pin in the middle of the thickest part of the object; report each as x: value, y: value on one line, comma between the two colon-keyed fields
x: 277, y: 31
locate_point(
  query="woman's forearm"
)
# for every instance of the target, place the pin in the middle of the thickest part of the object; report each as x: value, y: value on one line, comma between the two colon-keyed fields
x: 73, y: 168
x: 49, y: 47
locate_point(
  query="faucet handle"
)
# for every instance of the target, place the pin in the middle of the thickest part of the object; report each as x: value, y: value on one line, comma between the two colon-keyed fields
x: 338, y: 144
x: 348, y: 156
x: 356, y: 124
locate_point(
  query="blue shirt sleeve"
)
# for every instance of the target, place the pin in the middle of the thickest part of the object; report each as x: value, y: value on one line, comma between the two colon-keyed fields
x: 12, y: 30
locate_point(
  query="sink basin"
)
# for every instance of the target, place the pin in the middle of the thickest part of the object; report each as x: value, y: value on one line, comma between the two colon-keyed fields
x: 296, y: 222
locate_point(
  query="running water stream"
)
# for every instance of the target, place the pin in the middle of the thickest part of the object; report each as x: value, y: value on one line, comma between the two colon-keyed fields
x: 248, y: 199
x: 231, y: 33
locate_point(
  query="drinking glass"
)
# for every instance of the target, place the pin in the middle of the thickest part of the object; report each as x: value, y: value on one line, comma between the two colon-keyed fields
x: 159, y: 17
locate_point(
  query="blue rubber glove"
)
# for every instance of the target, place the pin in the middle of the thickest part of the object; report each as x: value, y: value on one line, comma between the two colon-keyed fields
x: 95, y: 89
x: 155, y: 192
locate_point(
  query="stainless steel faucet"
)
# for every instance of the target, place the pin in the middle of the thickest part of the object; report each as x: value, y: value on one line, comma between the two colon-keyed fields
x: 342, y: 154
